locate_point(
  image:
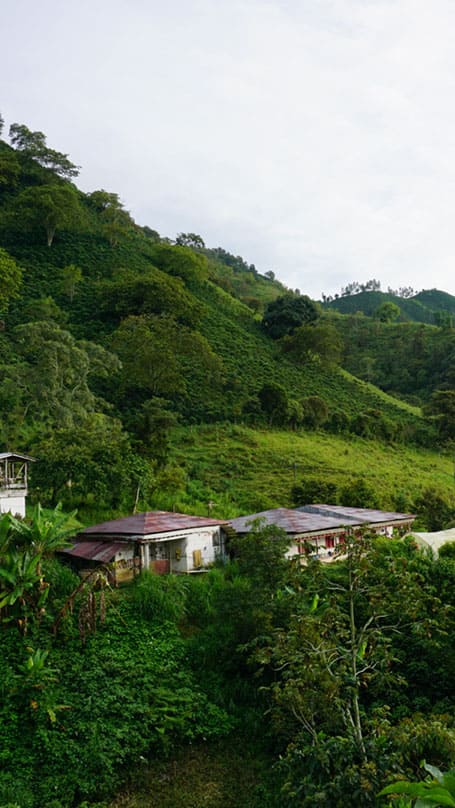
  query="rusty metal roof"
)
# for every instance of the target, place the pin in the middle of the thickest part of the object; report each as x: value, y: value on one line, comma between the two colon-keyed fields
x: 101, y: 551
x: 145, y: 524
x: 290, y: 520
x: 356, y: 515
x: 313, y: 518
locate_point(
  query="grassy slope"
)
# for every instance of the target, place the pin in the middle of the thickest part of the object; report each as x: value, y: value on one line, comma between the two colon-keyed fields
x: 244, y: 470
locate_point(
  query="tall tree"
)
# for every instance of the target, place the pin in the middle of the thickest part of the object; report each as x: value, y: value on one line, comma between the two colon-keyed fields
x: 52, y: 207
x: 287, y: 312
x: 87, y: 462
x: 274, y: 402
x: 442, y: 406
x: 116, y: 222
x: 71, y: 277
x: 192, y: 240
x: 161, y: 357
x: 183, y: 262
x: 146, y: 347
x: 387, y: 312
x: 48, y: 386
x: 317, y: 342
x: 33, y: 145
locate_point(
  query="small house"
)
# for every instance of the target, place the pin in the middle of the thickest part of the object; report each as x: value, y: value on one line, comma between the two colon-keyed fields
x: 323, y: 527
x: 161, y: 541
x: 14, y: 482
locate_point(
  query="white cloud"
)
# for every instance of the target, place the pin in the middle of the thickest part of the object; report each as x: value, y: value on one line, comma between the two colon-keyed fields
x: 314, y: 137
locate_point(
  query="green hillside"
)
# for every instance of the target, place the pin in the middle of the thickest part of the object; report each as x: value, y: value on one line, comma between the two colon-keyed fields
x: 436, y: 300
x: 424, y: 307
x: 114, y: 337
x: 405, y: 359
x: 243, y: 470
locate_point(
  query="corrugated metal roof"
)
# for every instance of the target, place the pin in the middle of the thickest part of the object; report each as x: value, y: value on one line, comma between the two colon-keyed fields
x: 356, y: 515
x: 15, y: 456
x: 312, y: 518
x: 95, y: 550
x: 292, y: 521
x: 145, y: 524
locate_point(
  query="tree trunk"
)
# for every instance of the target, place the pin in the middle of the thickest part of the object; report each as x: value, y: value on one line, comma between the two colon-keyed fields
x: 50, y: 232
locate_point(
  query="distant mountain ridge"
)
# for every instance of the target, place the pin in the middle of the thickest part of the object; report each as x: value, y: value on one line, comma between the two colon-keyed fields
x: 426, y: 306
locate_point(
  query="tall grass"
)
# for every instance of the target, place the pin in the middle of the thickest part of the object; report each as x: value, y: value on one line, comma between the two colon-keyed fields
x: 160, y: 597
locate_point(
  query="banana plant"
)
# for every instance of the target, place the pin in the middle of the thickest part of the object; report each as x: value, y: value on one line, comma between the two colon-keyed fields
x: 23, y: 546
x: 437, y: 791
x: 45, y: 532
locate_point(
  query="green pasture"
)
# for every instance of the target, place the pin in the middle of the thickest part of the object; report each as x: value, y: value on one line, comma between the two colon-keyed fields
x: 243, y: 470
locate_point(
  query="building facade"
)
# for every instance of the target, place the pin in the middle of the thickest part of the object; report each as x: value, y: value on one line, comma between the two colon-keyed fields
x: 322, y: 529
x: 161, y: 541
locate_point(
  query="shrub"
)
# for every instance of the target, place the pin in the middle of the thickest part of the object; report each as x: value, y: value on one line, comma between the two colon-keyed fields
x: 160, y: 597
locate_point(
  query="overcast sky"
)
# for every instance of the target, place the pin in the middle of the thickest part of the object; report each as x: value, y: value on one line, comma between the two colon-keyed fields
x: 315, y: 138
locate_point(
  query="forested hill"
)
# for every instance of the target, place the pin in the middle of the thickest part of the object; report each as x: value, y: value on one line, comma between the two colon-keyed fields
x: 429, y: 306
x: 112, y: 335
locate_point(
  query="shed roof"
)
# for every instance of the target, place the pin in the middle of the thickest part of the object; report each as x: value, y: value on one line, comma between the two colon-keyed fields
x: 148, y: 523
x: 16, y: 456
x: 94, y: 550
x: 356, y: 515
x: 434, y: 540
x: 291, y: 520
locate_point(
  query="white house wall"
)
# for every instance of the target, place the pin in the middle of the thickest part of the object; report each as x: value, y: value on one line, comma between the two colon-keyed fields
x: 12, y: 503
x: 317, y: 541
x: 181, y: 546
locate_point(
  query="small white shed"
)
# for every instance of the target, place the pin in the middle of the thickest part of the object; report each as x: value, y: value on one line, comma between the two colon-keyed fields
x: 13, y: 482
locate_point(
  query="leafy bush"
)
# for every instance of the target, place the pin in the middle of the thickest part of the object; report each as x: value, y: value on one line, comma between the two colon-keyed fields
x: 159, y: 597
x: 314, y: 489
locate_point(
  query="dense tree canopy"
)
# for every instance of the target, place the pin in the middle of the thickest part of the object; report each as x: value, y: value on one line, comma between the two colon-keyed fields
x: 287, y: 312
x: 316, y: 342
x: 10, y: 279
x: 52, y: 207
x: 9, y: 171
x: 47, y: 384
x: 190, y: 240
x: 33, y: 145
x: 387, y: 312
x: 182, y: 262
x: 442, y: 405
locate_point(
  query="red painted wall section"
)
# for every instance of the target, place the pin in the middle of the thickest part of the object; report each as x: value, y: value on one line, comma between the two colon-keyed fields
x: 160, y: 567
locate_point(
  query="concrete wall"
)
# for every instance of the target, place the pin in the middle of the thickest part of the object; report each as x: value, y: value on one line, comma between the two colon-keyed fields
x: 13, y: 502
x: 187, y: 551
